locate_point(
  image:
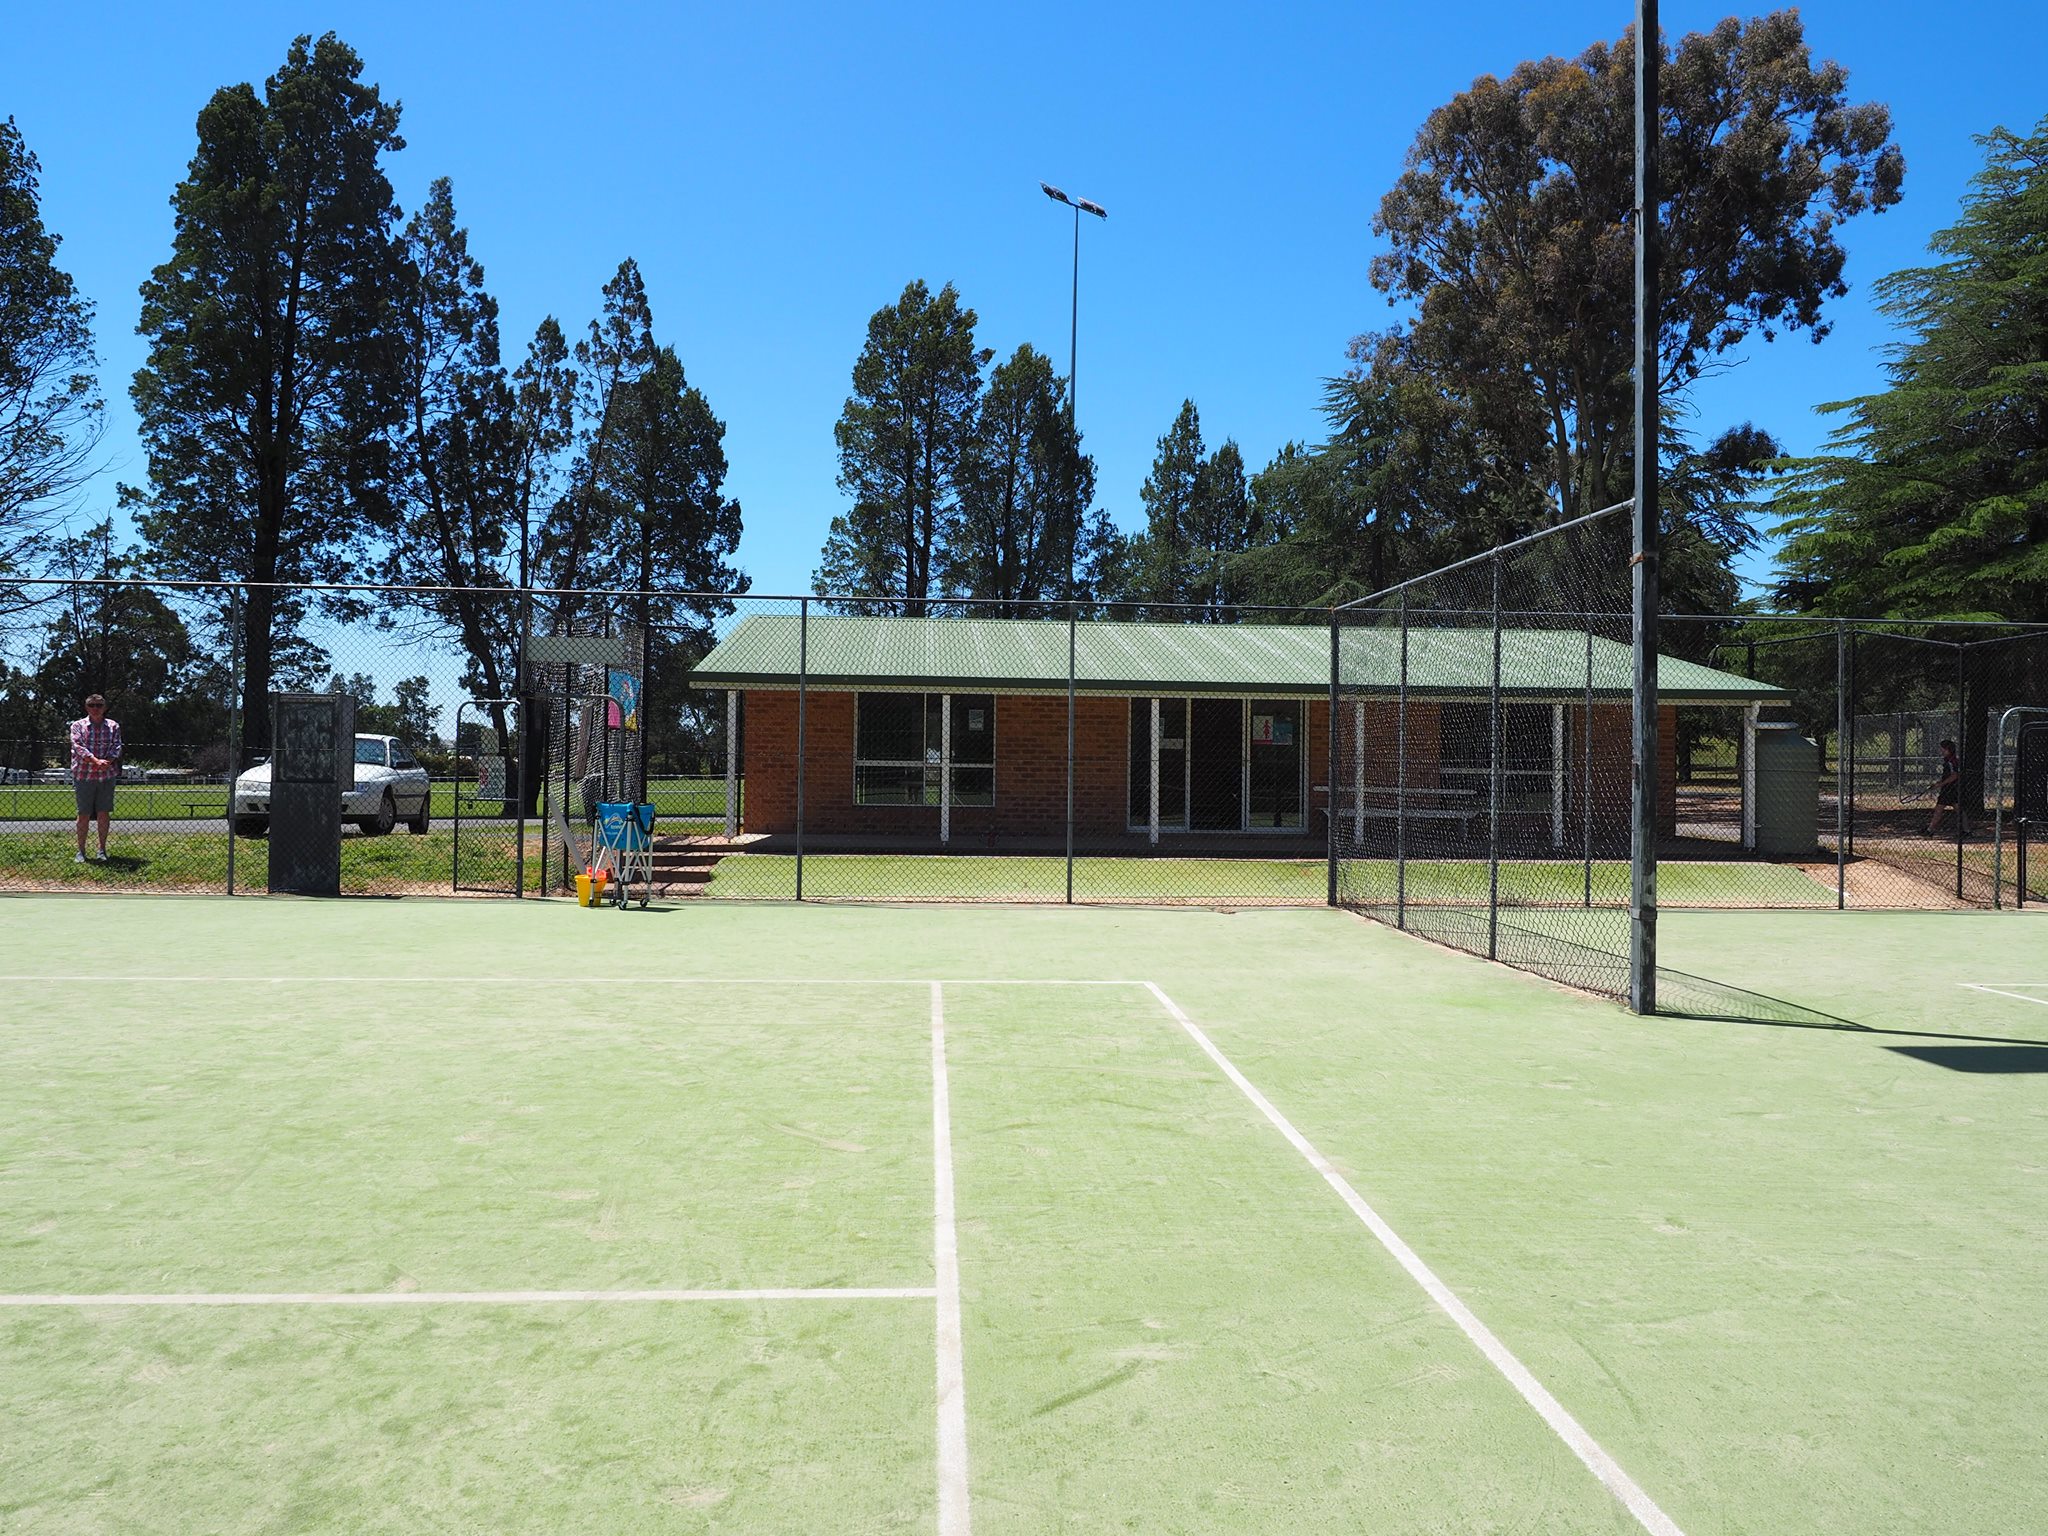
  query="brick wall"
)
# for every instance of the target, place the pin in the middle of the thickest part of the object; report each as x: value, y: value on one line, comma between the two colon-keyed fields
x: 1031, y: 753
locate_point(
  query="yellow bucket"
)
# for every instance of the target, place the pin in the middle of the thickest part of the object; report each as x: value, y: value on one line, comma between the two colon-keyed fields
x: 583, y: 889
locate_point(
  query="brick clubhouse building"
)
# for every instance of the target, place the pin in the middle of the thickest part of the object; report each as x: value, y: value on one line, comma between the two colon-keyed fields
x: 953, y: 733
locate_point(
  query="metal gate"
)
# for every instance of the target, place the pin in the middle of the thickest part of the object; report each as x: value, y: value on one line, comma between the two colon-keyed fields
x: 487, y: 798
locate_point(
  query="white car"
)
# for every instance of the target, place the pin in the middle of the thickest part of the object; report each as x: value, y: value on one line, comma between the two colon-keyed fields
x: 390, y: 787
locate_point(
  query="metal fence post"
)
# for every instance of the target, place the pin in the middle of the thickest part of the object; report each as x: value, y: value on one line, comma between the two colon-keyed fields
x: 1400, y: 778
x: 1962, y: 763
x: 1493, y: 775
x: 1330, y: 769
x: 1647, y: 530
x: 803, y: 663
x: 1842, y: 766
x: 1073, y: 641
x: 234, y: 721
x: 1586, y: 773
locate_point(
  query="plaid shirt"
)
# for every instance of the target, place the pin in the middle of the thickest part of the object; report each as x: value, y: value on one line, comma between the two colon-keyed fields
x: 101, y: 739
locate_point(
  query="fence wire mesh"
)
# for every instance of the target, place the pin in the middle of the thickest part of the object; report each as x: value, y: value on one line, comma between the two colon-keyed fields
x: 1480, y: 785
x: 1451, y: 757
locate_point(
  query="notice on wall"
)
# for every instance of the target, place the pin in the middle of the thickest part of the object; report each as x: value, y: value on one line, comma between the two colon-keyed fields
x: 1272, y: 731
x: 974, y: 720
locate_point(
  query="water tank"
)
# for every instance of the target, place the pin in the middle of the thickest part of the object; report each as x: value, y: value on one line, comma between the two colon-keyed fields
x: 1787, y: 792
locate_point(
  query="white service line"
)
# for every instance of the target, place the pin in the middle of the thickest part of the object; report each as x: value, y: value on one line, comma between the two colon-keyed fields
x: 463, y: 1298
x: 953, y: 1520
x: 1567, y: 1428
x: 1979, y: 986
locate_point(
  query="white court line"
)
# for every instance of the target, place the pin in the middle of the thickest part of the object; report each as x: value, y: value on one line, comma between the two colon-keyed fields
x: 465, y: 1298
x: 71, y: 977
x: 1979, y: 986
x: 1567, y: 1428
x: 953, y: 1519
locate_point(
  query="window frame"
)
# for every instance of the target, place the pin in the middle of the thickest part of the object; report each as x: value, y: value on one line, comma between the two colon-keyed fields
x: 935, y: 755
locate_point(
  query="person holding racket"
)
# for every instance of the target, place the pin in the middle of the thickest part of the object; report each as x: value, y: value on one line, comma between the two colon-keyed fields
x: 1948, y: 790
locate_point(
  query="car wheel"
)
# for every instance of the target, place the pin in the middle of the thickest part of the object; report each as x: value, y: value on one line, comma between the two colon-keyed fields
x: 386, y: 818
x: 419, y: 822
x: 251, y: 826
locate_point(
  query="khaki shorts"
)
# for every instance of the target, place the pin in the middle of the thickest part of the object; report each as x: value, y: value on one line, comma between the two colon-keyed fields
x: 95, y: 796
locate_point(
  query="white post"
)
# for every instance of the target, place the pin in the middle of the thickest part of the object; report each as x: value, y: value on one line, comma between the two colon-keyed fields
x: 732, y: 761
x: 1155, y: 772
x: 1557, y: 775
x: 945, y: 769
x: 1751, y: 713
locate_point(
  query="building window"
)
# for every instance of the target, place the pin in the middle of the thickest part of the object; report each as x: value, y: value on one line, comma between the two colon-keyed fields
x: 1528, y: 757
x: 902, y: 750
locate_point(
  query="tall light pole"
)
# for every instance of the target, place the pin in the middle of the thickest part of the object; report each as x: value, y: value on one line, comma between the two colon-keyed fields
x: 1080, y: 205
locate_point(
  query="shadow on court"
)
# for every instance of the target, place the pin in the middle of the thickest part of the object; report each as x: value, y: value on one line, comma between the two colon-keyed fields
x: 1681, y: 995
x: 2007, y: 1058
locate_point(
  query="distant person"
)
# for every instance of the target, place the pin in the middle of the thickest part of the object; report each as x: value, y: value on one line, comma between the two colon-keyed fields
x: 95, y: 766
x: 1948, y: 791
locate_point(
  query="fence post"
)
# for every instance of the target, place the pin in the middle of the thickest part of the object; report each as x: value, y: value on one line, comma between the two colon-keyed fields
x: 1493, y: 776
x: 1586, y: 774
x: 1842, y: 766
x: 1962, y: 764
x: 1073, y: 626
x: 1330, y: 768
x: 1400, y: 779
x: 1647, y: 530
x: 234, y: 721
x: 803, y: 663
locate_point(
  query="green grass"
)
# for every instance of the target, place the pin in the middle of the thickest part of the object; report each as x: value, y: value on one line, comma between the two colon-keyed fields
x: 1785, y: 1271
x: 694, y: 799
x: 154, y: 860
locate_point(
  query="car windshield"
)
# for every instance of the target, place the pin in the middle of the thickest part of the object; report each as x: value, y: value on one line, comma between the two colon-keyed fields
x: 370, y: 750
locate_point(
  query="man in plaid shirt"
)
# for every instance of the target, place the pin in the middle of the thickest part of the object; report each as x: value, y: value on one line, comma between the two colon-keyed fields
x: 95, y: 766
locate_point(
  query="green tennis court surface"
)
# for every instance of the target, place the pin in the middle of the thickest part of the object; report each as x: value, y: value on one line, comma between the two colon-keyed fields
x: 436, y: 1216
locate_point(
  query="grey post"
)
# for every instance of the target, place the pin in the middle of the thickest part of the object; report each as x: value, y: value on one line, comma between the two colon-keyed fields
x: 803, y: 662
x: 1642, y: 890
x: 1400, y: 778
x: 1962, y: 746
x: 1842, y: 766
x: 1073, y: 626
x: 1586, y: 770
x: 234, y: 721
x: 1493, y: 777
x: 1330, y: 771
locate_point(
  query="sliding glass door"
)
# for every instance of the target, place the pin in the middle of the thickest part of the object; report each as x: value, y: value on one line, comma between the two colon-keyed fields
x: 1225, y: 765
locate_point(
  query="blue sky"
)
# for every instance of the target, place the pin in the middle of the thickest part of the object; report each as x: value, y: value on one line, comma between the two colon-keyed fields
x: 780, y: 172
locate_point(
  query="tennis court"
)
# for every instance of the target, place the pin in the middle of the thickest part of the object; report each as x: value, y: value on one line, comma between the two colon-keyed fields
x: 401, y: 1216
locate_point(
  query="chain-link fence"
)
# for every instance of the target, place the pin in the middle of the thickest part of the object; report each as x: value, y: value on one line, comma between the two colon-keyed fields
x: 1871, y: 778
x: 1480, y: 749
x: 1451, y: 756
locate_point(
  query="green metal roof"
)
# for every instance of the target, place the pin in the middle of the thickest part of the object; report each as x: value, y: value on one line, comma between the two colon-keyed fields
x: 1030, y: 656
